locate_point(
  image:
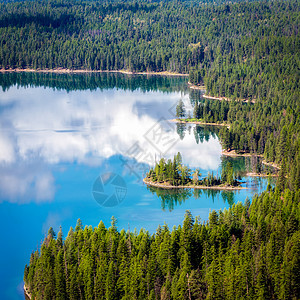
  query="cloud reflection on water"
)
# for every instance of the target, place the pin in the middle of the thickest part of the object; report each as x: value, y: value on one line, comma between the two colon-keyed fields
x: 23, y: 183
x: 52, y: 127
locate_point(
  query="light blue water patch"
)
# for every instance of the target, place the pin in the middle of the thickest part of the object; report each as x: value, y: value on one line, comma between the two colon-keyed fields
x: 55, y: 143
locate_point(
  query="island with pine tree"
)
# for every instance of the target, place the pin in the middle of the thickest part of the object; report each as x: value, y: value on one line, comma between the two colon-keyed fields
x: 174, y: 174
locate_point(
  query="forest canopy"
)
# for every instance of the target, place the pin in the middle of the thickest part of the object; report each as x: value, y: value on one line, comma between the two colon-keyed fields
x: 245, y: 252
x: 245, y: 51
x: 242, y: 51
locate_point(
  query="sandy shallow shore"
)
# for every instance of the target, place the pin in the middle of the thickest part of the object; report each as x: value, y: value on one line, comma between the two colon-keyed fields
x: 64, y: 71
x: 198, y: 123
x: 234, y: 154
x: 26, y: 291
x: 200, y: 187
x: 227, y: 99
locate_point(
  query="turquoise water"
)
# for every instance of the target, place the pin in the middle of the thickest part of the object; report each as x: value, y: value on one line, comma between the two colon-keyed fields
x: 59, y: 133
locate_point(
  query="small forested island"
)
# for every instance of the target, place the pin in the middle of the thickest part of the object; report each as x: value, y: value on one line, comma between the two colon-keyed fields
x: 244, y: 51
x: 174, y: 174
x: 246, y: 55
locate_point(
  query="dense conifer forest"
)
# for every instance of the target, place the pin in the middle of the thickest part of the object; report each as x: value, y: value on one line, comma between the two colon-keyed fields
x: 242, y: 50
x: 245, y: 51
x: 250, y: 251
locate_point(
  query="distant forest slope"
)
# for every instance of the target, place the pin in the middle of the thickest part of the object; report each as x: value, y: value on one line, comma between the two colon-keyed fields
x: 246, y: 252
x: 242, y: 50
x: 145, y: 36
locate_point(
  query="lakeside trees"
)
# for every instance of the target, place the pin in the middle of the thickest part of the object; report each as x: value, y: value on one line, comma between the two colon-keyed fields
x: 243, y: 50
x: 258, y: 128
x: 247, y: 50
x: 180, y: 109
x: 249, y: 251
x: 208, y: 41
x: 175, y: 173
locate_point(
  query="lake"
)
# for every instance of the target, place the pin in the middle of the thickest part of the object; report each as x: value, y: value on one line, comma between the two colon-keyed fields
x: 78, y: 146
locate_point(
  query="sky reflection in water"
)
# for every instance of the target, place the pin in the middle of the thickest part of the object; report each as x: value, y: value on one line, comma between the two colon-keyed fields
x: 42, y: 127
x: 55, y: 143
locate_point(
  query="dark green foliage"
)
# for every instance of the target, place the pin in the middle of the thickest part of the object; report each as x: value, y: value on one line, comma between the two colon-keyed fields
x: 245, y: 252
x: 98, y: 35
x: 175, y: 173
x: 247, y: 50
x: 180, y: 109
x: 93, y: 81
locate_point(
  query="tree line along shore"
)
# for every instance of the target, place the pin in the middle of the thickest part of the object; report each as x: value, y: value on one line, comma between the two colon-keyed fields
x: 174, y: 174
x: 249, y: 251
x: 238, y: 50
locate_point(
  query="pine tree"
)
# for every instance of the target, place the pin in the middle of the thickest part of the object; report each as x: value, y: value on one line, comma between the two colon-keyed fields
x: 60, y: 282
x: 180, y: 109
x: 196, y: 111
x: 110, y: 292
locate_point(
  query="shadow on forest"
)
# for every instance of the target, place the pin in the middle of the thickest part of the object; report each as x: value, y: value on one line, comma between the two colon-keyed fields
x: 20, y: 20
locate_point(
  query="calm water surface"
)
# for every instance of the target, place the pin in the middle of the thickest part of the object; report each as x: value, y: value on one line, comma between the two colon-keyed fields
x: 59, y: 133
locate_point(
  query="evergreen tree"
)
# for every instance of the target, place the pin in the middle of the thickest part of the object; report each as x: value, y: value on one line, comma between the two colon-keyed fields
x: 180, y: 109
x: 249, y: 250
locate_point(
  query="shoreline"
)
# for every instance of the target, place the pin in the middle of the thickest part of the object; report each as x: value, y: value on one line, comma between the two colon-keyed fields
x: 271, y: 164
x: 196, y: 87
x: 199, y: 187
x: 198, y: 123
x: 252, y: 174
x: 233, y: 153
x: 226, y: 99
x: 26, y: 291
x: 79, y: 71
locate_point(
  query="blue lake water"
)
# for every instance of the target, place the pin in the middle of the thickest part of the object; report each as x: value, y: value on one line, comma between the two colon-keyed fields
x: 58, y: 134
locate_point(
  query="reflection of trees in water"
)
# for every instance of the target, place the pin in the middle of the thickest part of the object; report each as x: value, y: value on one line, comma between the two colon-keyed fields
x: 196, y: 95
x: 209, y: 193
x: 172, y: 197
x: 247, y: 164
x: 238, y: 164
x: 181, y: 128
x: 93, y: 81
x: 201, y: 132
x: 228, y: 196
x: 254, y: 164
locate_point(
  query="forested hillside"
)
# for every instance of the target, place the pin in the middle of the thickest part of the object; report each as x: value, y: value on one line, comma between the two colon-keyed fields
x: 246, y: 252
x: 145, y: 36
x: 243, y: 50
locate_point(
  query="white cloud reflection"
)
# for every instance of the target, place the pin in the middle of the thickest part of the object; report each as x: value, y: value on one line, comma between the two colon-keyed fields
x: 51, y: 127
x: 24, y: 183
